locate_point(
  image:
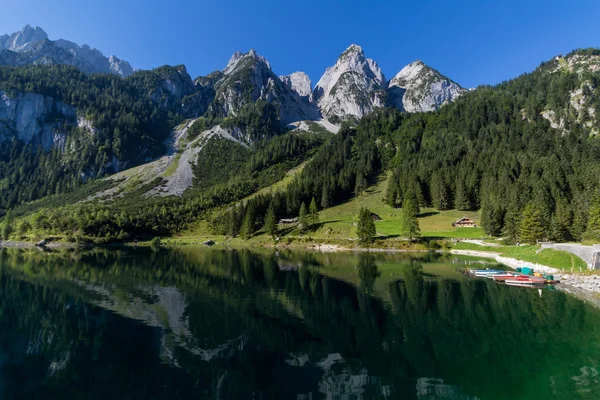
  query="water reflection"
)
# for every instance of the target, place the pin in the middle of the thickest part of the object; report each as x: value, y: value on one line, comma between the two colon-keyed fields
x: 239, y: 324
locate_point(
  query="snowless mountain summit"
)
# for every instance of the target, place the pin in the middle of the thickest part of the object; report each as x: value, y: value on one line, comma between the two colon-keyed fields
x: 419, y: 88
x: 299, y: 82
x: 351, y: 88
x: 31, y: 46
x: 247, y: 78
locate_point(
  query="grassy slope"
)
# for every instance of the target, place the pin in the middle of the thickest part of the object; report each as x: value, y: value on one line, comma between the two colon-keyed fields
x: 338, y: 221
x: 552, y: 258
x: 337, y: 227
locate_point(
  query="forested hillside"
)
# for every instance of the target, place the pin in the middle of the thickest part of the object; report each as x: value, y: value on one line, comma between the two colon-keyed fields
x: 115, y: 125
x: 494, y: 149
x: 525, y: 149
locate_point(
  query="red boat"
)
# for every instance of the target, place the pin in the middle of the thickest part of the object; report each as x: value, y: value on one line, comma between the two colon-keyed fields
x: 529, y: 280
x: 502, y: 278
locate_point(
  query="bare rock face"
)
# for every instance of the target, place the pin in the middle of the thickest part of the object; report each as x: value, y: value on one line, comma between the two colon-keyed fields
x: 31, y: 46
x: 419, y: 88
x: 247, y: 78
x: 119, y: 67
x: 23, y: 40
x: 351, y: 88
x: 32, y: 116
x: 299, y: 82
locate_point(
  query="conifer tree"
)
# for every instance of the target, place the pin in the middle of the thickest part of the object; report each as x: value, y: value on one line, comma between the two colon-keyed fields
x: 271, y: 221
x: 440, y: 195
x: 594, y: 215
x: 512, y: 225
x: 391, y: 195
x: 365, y: 227
x: 560, y: 222
x: 532, y: 224
x: 361, y: 185
x: 409, y: 223
x: 325, y: 196
x: 303, y: 219
x: 248, y: 226
x: 313, y: 213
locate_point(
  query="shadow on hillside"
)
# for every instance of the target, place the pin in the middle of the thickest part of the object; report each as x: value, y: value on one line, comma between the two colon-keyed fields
x: 428, y: 214
x: 383, y: 237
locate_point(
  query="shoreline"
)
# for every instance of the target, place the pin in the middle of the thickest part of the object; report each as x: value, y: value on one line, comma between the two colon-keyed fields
x: 585, y: 286
x: 581, y: 285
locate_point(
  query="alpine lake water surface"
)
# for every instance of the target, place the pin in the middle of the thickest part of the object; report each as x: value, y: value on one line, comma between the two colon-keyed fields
x: 234, y: 324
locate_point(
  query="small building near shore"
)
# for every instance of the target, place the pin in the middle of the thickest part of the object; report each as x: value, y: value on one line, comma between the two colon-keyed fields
x: 375, y: 217
x: 464, y: 222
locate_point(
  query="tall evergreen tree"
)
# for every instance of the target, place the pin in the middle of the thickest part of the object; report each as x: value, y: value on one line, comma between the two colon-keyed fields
x: 325, y: 196
x: 391, y: 195
x: 532, y: 224
x: 271, y: 221
x: 512, y: 225
x: 409, y: 223
x: 303, y: 219
x: 593, y: 223
x: 233, y: 228
x: 492, y: 217
x: 365, y: 227
x: 248, y: 226
x: 462, y: 201
x: 440, y: 194
x: 313, y: 213
x: 560, y: 222
x: 361, y: 185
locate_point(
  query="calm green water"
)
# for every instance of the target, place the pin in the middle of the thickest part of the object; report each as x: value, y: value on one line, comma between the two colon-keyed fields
x: 216, y: 324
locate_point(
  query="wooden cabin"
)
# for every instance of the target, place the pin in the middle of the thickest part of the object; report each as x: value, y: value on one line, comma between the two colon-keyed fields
x: 464, y: 222
x: 375, y: 217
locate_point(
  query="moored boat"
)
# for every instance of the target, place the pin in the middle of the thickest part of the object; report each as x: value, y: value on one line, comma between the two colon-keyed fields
x: 526, y: 280
x: 486, y: 272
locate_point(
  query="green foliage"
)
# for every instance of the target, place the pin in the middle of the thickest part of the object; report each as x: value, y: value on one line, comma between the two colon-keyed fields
x: 532, y: 228
x: 303, y: 217
x: 249, y: 224
x: 271, y: 221
x: 367, y: 272
x: 156, y: 243
x: 129, y: 126
x: 409, y: 222
x: 313, y: 213
x: 258, y: 120
x: 365, y: 227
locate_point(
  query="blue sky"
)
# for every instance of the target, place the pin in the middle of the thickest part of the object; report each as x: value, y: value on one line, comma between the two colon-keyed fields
x: 472, y: 41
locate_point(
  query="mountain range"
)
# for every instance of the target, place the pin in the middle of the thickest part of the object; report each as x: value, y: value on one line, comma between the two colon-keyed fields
x: 172, y: 148
x: 31, y: 46
x: 351, y: 88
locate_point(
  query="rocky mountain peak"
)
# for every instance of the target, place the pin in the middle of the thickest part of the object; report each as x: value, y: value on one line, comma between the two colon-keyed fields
x: 353, y: 50
x: 300, y: 83
x: 23, y: 40
x: 352, y: 87
x: 237, y: 59
x: 420, y: 88
x: 32, y: 46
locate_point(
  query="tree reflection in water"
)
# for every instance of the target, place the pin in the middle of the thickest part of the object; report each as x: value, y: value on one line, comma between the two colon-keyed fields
x: 238, y: 324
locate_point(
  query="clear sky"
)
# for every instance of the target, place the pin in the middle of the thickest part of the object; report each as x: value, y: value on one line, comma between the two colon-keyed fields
x: 471, y: 41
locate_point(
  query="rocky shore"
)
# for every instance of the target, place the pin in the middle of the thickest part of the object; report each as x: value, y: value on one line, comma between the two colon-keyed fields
x: 572, y: 283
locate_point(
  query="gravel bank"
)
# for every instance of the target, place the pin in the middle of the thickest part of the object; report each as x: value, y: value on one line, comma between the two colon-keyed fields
x: 571, y: 283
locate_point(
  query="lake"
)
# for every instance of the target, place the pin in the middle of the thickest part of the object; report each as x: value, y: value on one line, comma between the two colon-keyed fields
x: 234, y: 324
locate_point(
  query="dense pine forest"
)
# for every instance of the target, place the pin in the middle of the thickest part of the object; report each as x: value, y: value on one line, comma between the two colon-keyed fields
x: 128, y: 127
x: 494, y: 149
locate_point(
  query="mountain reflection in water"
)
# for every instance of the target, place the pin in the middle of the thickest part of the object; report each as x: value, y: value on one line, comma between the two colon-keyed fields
x: 226, y: 324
